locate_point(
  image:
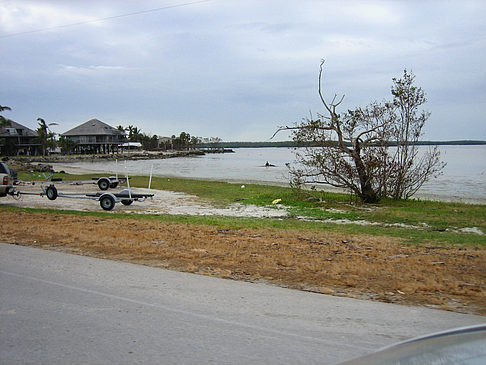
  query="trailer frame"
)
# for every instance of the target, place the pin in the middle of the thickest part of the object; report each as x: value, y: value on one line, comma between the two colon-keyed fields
x: 103, y: 182
x: 107, y: 200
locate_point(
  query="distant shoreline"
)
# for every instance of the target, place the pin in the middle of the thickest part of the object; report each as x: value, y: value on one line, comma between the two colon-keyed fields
x: 142, y: 155
x: 267, y: 144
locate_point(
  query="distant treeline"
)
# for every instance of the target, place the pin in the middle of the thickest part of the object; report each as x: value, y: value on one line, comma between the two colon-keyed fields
x: 293, y: 144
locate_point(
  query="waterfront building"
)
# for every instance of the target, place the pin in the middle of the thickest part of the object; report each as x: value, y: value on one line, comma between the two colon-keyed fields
x: 94, y: 137
x: 16, y: 139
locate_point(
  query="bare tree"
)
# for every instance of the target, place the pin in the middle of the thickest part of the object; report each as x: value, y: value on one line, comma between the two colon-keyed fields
x: 352, y: 150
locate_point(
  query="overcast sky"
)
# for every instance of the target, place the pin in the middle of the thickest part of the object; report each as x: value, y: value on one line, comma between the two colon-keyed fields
x: 237, y: 69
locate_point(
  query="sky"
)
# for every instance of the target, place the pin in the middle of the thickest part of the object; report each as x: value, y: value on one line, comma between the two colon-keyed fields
x: 238, y: 69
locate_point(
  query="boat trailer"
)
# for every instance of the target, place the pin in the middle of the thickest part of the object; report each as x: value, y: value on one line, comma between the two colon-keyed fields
x: 107, y: 199
x: 104, y: 182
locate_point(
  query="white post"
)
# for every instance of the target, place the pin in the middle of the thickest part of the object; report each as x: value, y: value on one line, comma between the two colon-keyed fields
x: 128, y: 181
x: 150, y: 179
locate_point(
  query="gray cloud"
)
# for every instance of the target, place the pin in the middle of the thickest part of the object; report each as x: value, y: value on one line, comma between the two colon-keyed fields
x: 238, y: 69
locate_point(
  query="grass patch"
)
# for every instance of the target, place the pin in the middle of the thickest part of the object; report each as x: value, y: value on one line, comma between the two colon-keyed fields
x: 437, y: 222
x: 408, y: 236
x: 439, y: 215
x: 435, y: 216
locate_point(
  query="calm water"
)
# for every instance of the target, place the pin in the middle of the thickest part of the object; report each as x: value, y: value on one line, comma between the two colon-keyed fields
x: 464, y: 177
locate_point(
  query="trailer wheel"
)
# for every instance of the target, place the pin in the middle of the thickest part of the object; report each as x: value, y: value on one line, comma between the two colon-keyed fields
x: 103, y: 183
x: 107, y: 202
x: 51, y: 192
x: 113, y: 185
x: 127, y: 202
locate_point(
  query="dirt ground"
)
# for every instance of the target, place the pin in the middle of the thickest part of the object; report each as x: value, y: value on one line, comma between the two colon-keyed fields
x: 374, y: 268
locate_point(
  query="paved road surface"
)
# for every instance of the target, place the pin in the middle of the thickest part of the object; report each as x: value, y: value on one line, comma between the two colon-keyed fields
x: 57, y: 308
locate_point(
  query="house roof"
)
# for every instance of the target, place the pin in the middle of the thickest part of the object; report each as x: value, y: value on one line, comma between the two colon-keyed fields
x: 12, y: 130
x: 93, y: 127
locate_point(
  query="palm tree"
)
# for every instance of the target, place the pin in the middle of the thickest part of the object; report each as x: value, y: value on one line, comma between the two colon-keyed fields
x: 46, y: 137
x: 134, y: 133
x: 4, y: 121
x: 42, y: 135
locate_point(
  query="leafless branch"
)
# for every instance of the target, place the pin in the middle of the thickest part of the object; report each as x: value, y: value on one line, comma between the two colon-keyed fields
x: 371, y: 131
x: 340, y: 101
x: 320, y: 88
x: 323, y: 128
x: 280, y: 129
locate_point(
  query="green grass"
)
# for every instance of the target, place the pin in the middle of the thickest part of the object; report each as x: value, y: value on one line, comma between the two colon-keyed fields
x: 437, y: 215
x: 437, y: 220
x: 324, y: 205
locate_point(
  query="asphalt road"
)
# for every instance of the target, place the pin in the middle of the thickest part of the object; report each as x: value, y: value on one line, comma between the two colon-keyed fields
x: 57, y: 308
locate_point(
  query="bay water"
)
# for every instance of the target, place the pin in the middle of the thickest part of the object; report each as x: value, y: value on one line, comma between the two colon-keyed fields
x: 463, y: 178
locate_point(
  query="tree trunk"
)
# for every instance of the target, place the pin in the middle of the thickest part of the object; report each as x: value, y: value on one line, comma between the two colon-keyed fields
x: 367, y: 193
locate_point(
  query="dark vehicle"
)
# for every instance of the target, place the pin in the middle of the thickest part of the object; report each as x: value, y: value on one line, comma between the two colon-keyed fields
x: 6, y: 179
